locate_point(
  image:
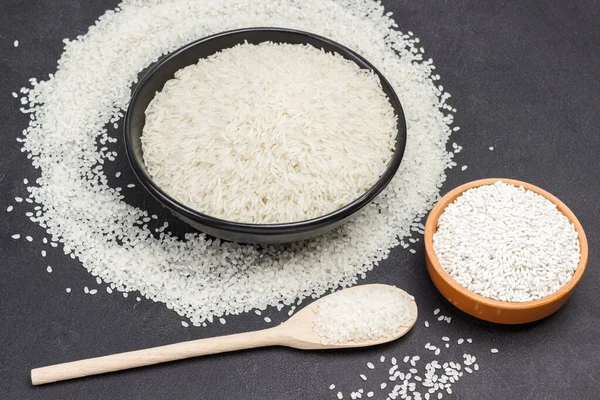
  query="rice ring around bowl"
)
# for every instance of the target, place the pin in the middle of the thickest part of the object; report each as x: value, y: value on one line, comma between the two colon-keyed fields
x: 165, y: 69
x: 201, y: 279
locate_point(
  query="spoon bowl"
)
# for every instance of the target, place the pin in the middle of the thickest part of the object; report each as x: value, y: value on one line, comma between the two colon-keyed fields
x: 298, y: 333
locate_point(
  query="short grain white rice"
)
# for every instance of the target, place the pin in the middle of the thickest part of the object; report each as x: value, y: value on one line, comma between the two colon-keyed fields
x: 363, y: 313
x: 506, y: 243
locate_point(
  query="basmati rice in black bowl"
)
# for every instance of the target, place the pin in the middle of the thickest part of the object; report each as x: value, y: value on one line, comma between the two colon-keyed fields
x: 243, y: 232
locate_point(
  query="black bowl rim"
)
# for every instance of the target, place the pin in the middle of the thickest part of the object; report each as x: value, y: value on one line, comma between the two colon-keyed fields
x: 278, y: 228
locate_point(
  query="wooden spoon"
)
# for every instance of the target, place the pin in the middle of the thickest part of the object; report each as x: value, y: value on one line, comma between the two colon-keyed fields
x: 297, y: 332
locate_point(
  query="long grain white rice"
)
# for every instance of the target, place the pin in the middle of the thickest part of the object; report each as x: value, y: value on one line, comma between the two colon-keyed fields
x: 297, y: 135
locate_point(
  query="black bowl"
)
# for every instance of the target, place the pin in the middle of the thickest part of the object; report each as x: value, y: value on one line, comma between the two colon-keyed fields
x: 165, y: 69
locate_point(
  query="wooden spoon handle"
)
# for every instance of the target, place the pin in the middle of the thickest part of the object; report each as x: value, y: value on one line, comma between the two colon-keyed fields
x: 155, y: 355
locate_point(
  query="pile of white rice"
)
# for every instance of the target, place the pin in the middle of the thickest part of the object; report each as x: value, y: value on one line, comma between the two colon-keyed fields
x: 200, y: 278
x: 506, y: 243
x: 269, y: 133
x: 364, y: 313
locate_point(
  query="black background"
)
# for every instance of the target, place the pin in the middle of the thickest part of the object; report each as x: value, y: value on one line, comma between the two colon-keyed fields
x: 524, y: 77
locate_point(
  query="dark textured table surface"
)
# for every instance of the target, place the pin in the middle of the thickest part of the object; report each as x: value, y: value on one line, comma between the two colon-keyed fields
x: 524, y: 78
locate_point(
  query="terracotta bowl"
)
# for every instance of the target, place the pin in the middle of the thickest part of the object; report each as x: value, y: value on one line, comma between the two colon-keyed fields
x: 494, y: 310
